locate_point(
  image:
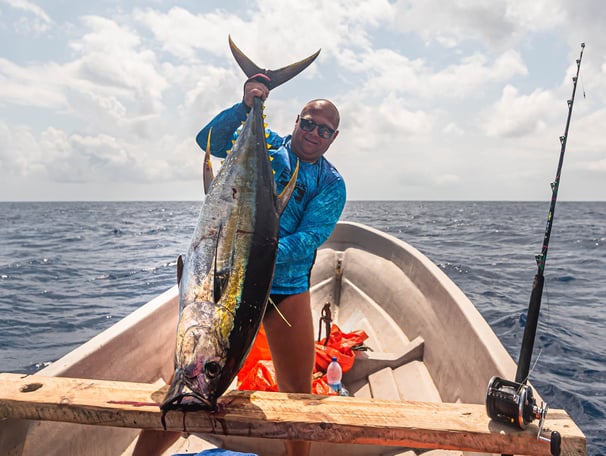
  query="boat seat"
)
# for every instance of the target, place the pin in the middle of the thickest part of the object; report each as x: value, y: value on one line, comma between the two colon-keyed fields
x: 371, y: 361
x: 410, y: 382
x: 416, y: 383
x: 391, y: 376
x: 383, y: 385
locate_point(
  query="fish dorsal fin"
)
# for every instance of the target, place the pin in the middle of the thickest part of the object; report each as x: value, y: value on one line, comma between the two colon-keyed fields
x: 276, y: 77
x: 179, y: 269
x: 207, y: 173
x: 286, y: 193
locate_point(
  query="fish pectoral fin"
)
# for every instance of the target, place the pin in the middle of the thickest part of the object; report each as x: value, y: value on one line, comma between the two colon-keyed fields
x: 220, y: 283
x: 207, y: 172
x: 276, y: 77
x: 220, y: 276
x: 286, y: 193
x: 179, y: 269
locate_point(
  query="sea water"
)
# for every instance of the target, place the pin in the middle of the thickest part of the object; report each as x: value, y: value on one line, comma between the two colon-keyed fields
x: 70, y: 270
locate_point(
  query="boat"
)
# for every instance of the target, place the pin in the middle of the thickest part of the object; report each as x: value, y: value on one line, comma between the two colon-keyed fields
x: 429, y: 344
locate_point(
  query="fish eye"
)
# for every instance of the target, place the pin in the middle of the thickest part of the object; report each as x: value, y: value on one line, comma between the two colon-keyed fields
x: 212, y: 369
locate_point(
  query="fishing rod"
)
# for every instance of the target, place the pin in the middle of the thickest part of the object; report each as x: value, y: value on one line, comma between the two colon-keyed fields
x: 513, y: 402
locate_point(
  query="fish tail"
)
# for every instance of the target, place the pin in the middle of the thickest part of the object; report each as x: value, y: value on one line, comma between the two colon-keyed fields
x: 276, y: 77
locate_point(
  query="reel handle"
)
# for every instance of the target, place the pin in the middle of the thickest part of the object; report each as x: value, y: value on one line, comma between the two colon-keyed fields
x: 555, y: 442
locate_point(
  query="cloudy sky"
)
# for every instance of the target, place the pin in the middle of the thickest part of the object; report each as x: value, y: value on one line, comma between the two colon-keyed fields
x: 440, y: 100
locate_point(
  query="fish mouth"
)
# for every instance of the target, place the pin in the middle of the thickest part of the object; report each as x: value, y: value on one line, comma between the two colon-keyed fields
x: 180, y: 396
x: 188, y: 402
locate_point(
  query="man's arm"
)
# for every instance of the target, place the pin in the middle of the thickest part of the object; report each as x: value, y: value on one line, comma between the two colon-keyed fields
x: 321, y: 216
x: 223, y: 125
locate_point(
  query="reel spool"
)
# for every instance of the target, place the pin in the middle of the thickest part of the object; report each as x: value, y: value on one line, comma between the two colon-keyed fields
x: 513, y: 403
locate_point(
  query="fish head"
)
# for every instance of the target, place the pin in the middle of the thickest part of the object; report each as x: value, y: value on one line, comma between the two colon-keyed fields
x: 200, y: 361
x: 202, y: 357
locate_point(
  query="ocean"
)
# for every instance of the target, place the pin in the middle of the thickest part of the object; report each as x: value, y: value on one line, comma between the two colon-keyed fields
x: 69, y: 270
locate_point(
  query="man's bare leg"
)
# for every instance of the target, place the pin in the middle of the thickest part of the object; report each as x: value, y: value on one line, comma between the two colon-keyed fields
x: 292, y: 351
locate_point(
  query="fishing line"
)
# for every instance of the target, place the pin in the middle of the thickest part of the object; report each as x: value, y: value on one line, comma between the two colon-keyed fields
x: 271, y: 301
x: 533, y: 366
x: 583, y: 87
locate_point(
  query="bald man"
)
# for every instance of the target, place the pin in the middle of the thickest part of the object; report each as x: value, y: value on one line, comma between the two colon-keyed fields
x: 309, y: 218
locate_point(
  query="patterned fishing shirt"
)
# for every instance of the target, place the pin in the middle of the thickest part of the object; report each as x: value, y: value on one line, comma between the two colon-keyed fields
x: 311, y: 213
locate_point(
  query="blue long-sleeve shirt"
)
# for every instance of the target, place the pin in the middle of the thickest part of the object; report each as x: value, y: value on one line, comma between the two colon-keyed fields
x: 311, y: 213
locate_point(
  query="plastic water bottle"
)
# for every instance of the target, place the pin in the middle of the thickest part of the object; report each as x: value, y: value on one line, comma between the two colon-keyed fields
x: 334, y: 373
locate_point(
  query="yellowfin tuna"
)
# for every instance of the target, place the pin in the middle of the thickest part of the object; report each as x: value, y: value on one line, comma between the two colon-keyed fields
x: 225, y: 278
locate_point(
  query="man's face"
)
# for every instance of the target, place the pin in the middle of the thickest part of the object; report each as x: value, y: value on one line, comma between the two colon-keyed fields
x: 321, y: 119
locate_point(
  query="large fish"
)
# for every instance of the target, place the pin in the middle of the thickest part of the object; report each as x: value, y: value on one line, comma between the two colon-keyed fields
x: 225, y: 278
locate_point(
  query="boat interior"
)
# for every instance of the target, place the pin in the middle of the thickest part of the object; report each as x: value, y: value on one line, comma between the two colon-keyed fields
x: 428, y: 343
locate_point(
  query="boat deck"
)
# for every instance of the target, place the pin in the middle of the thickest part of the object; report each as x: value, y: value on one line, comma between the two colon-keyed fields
x: 429, y: 345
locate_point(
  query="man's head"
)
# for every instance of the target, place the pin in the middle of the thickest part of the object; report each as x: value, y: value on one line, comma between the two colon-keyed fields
x: 315, y: 130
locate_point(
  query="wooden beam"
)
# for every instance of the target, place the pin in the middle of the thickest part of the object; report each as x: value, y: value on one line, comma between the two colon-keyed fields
x: 282, y: 416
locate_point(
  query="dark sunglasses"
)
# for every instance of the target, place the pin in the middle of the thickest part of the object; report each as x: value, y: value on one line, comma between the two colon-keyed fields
x: 309, y: 125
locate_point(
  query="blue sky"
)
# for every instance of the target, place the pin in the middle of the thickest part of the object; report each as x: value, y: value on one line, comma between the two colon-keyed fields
x: 459, y: 100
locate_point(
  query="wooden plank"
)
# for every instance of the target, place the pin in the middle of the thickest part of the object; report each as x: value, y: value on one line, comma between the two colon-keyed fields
x: 282, y: 416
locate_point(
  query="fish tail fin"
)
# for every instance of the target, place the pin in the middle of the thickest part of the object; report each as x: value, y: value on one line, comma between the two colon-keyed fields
x: 276, y: 77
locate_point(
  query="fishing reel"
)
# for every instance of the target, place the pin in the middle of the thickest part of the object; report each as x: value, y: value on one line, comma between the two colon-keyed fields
x: 513, y: 403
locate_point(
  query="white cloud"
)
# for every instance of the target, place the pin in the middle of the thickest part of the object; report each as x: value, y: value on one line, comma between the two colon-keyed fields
x: 112, y: 58
x: 454, y: 129
x: 517, y: 115
x: 438, y: 100
x: 35, y: 85
x: 498, y: 24
x: 182, y: 33
x: 387, y: 72
x: 39, y: 23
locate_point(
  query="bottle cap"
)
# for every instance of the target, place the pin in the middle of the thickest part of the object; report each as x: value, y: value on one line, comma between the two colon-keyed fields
x: 334, y: 358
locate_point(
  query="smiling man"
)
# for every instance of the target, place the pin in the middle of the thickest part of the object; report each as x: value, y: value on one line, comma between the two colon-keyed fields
x: 307, y: 221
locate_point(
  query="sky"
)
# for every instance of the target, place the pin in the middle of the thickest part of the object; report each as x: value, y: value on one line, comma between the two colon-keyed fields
x: 457, y: 100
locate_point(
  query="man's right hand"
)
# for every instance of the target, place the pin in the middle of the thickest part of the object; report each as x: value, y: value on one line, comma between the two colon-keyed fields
x: 254, y: 89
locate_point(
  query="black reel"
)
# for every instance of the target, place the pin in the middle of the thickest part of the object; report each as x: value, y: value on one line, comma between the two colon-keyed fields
x: 513, y: 403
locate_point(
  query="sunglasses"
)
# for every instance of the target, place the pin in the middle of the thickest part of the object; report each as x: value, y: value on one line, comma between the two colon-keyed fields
x: 309, y: 125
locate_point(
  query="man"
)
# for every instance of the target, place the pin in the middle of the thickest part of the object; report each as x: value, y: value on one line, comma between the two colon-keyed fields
x: 310, y: 216
x: 307, y: 221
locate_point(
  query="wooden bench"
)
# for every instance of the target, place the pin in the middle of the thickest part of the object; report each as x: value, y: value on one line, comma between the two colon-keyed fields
x: 282, y: 416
